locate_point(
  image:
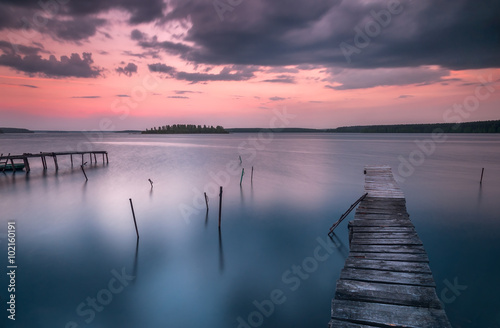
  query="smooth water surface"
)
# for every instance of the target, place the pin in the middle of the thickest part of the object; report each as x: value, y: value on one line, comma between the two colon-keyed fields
x: 74, y: 238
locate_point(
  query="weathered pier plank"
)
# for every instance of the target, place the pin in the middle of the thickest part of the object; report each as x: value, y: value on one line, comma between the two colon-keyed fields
x: 386, y: 280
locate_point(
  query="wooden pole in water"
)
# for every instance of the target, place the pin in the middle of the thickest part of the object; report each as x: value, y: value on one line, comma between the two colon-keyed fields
x: 107, y: 161
x: 206, y: 200
x: 95, y: 158
x: 82, y: 159
x: 55, y: 162
x: 482, y: 172
x: 71, y: 156
x: 133, y: 214
x: 240, y: 160
x: 220, y: 205
x: 242, y: 174
x: 251, y: 178
x: 83, y: 170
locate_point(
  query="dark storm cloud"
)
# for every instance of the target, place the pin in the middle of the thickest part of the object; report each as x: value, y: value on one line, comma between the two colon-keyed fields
x: 128, y: 70
x: 281, y: 79
x: 141, y: 11
x: 12, y: 48
x: 229, y: 73
x: 459, y: 34
x: 348, y: 79
x: 73, y: 66
x: 161, y: 68
x: 73, y: 29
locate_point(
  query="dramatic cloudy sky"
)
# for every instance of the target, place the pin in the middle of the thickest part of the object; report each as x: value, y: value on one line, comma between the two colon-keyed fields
x: 132, y: 64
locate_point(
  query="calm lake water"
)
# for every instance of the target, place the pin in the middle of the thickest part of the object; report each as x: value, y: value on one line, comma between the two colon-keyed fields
x: 76, y: 243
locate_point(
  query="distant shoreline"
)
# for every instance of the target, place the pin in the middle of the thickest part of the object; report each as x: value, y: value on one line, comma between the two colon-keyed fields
x: 479, y: 127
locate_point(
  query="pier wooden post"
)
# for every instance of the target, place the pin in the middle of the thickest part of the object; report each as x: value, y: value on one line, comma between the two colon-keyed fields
x: 82, y: 159
x: 13, y: 166
x: 133, y: 214
x: 90, y: 156
x: 55, y: 162
x: 107, y: 161
x: 26, y: 164
x: 103, y: 158
x: 220, y: 205
x: 251, y: 178
x: 482, y: 172
x: 71, y: 155
x: 95, y: 158
x: 206, y: 200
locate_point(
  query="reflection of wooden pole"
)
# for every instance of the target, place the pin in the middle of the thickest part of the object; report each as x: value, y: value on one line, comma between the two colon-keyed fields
x: 251, y: 179
x: 206, y: 200
x: 242, y: 174
x: 482, y: 172
x: 133, y: 214
x: 220, y: 205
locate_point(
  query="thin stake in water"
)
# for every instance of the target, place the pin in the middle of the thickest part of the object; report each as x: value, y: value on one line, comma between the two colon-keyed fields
x: 133, y: 214
x: 220, y: 205
x: 206, y: 200
x: 242, y: 174
x: 83, y: 170
x: 251, y: 177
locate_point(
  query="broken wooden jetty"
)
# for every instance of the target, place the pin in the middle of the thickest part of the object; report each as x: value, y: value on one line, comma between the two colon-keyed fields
x: 5, y: 159
x: 386, y: 280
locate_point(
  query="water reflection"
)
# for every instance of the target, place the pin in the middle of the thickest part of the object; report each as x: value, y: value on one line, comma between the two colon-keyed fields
x: 341, y: 247
x: 135, y: 261
x: 221, y: 253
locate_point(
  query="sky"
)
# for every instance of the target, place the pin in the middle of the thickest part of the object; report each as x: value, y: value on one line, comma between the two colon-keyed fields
x: 134, y: 64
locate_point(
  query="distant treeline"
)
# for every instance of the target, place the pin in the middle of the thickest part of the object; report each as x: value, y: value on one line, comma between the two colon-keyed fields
x: 14, y: 130
x: 469, y: 127
x: 184, y: 129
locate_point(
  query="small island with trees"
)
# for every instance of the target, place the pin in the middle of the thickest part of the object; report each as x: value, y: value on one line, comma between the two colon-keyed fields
x: 185, y: 129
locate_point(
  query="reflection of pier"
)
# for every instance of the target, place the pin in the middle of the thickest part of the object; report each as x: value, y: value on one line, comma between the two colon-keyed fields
x: 13, y: 166
x: 386, y: 280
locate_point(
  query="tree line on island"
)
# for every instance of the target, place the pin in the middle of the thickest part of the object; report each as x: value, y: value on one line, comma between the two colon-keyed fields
x: 185, y: 129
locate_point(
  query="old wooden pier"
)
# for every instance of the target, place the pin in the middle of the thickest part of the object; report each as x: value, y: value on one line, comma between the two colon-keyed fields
x: 386, y: 280
x: 6, y: 159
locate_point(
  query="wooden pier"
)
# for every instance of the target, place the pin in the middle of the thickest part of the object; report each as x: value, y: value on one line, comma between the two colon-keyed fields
x: 386, y: 280
x: 10, y: 159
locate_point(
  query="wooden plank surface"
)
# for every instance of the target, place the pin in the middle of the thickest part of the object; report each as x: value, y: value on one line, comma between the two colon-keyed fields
x: 386, y: 280
x: 388, y: 315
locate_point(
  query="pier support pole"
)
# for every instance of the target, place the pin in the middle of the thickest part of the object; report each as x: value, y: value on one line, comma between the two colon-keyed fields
x: 82, y: 159
x: 103, y: 158
x: 55, y: 162
x: 107, y: 161
x: 220, y: 205
x: 71, y: 155
x: 133, y: 214
x: 13, y: 166
x: 90, y: 156
x: 242, y: 174
x: 26, y: 164
x: 482, y: 172
x: 206, y: 200
x: 251, y: 178
x: 95, y: 158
